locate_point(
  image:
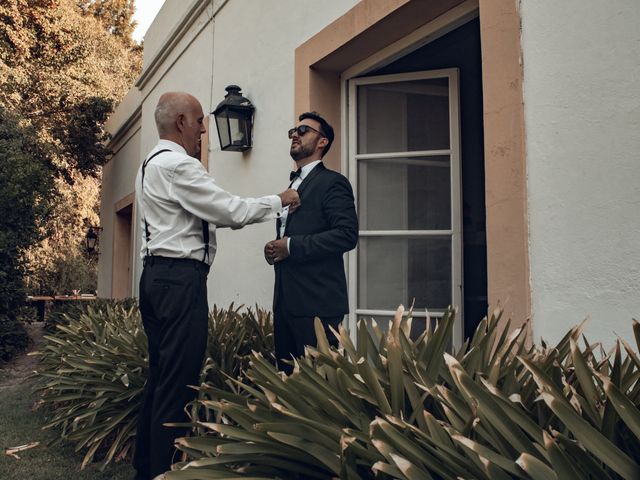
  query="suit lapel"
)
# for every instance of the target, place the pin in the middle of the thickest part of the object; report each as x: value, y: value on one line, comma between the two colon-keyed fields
x: 301, y: 188
x: 312, y: 174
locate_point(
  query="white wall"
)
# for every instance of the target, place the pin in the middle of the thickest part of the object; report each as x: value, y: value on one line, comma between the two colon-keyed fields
x: 582, y: 119
x: 162, y: 27
x: 252, y: 44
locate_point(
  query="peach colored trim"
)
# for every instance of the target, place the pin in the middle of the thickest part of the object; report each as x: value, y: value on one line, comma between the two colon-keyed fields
x: 122, y: 247
x: 505, y: 161
x: 372, y: 25
x: 123, y: 202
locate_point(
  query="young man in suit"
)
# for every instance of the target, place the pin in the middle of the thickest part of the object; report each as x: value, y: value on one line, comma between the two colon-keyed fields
x: 308, y: 252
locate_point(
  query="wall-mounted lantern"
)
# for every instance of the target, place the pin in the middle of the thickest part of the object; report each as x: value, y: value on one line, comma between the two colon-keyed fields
x: 92, y: 239
x: 234, y: 120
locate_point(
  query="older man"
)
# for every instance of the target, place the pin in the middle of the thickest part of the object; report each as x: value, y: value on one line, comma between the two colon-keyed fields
x: 180, y: 206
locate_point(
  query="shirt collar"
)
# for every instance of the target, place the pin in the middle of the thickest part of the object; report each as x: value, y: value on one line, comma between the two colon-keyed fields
x: 173, y: 146
x: 307, y: 168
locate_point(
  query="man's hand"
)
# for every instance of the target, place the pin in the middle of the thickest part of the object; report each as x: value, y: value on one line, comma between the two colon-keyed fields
x: 290, y: 198
x: 268, y: 253
x: 276, y: 251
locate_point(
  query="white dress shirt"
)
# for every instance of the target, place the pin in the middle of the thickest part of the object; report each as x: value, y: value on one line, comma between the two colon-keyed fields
x: 296, y: 183
x: 178, y: 193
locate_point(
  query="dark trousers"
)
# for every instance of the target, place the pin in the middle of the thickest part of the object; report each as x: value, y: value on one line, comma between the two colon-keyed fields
x: 173, y: 304
x: 291, y: 334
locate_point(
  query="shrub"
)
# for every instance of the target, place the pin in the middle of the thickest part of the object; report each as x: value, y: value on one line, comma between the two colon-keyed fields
x: 13, y: 338
x: 91, y: 375
x: 391, y: 407
x: 26, y: 184
x: 61, y: 311
x: 233, y: 335
x: 93, y: 368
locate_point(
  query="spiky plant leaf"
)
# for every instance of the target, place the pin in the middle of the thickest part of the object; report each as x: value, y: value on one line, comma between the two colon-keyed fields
x: 592, y: 439
x: 627, y: 410
x: 562, y: 464
x: 537, y: 469
x: 495, y: 458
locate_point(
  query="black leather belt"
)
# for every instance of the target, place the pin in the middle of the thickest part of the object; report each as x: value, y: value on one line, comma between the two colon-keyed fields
x: 157, y: 260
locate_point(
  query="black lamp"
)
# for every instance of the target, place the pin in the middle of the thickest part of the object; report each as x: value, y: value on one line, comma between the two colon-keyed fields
x: 91, y: 240
x: 234, y: 120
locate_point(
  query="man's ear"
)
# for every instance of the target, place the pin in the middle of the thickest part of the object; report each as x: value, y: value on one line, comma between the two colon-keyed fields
x: 180, y: 120
x: 323, y: 142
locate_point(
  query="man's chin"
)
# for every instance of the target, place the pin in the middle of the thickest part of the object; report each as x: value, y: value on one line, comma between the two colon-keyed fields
x: 296, y: 153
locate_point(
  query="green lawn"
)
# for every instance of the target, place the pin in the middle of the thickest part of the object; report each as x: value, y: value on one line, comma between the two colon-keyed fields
x: 20, y: 424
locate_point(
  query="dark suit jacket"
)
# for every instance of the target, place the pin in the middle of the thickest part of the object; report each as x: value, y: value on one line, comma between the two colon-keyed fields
x: 311, y: 281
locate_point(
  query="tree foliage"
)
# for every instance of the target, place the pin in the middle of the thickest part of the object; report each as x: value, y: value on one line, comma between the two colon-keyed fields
x: 59, y: 263
x: 63, y: 70
x: 27, y: 184
x: 116, y: 16
x: 64, y: 64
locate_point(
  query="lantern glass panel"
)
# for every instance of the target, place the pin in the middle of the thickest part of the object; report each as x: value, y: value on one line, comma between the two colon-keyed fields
x: 238, y: 128
x: 222, y: 123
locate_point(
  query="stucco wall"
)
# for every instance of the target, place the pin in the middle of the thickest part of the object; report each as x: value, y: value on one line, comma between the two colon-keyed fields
x: 582, y: 120
x: 164, y: 23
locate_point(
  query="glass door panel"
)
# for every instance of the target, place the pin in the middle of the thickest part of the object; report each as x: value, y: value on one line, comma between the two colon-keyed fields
x: 395, y: 270
x: 404, y: 116
x: 405, y: 193
x: 404, y: 161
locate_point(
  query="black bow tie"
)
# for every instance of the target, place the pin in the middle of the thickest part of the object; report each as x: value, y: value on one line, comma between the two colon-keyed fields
x: 295, y: 174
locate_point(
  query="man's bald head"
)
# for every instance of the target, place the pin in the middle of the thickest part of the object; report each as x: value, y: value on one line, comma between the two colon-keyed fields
x: 170, y: 106
x: 178, y: 118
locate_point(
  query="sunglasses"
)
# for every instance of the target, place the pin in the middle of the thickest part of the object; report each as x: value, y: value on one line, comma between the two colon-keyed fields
x: 301, y: 130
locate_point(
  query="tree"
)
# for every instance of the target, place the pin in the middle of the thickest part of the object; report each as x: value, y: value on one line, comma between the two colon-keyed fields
x: 59, y: 262
x: 63, y: 71
x: 64, y: 64
x: 115, y: 15
x: 26, y: 182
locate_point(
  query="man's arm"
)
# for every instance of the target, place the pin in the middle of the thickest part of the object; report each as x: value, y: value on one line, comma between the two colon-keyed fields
x: 197, y: 192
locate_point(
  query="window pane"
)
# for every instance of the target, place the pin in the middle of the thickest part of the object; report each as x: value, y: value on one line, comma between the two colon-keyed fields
x: 403, y: 116
x: 395, y: 270
x: 405, y: 193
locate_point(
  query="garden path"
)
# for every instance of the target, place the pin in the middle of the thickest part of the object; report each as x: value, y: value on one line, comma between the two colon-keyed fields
x: 15, y: 372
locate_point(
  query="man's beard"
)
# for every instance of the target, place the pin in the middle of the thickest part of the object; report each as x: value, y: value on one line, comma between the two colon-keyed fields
x: 301, y: 152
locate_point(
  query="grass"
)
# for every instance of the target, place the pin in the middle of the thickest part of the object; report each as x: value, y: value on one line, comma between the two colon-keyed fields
x: 20, y: 425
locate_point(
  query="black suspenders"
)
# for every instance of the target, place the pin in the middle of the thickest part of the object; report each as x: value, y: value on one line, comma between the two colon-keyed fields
x: 144, y: 166
x: 205, y: 224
